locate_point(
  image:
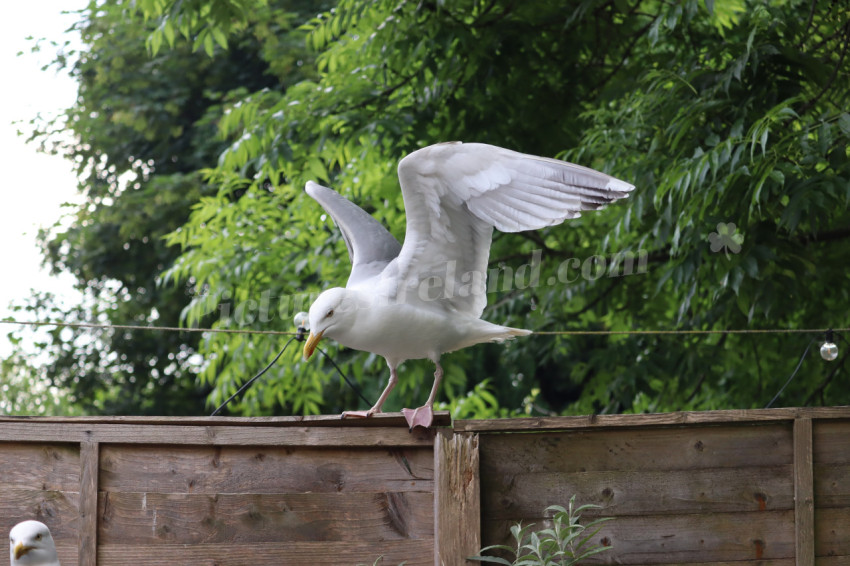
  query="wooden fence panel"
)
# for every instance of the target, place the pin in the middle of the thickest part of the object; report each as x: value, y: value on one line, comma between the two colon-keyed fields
x: 41, y: 481
x: 714, y: 488
x: 223, y: 491
x: 831, y: 470
x: 706, y: 491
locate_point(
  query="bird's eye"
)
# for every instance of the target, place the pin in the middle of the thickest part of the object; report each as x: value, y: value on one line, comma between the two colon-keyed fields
x: 38, y: 536
x: 330, y: 313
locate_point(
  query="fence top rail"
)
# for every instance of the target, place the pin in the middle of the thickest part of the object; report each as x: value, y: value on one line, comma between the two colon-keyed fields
x: 441, y: 418
x: 528, y: 424
x: 389, y: 430
x: 115, y: 424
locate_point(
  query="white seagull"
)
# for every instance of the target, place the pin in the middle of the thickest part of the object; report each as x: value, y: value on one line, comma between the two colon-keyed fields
x: 30, y: 544
x: 425, y: 298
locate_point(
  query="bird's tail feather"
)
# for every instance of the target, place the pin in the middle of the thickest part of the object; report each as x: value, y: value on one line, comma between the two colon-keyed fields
x: 509, y: 334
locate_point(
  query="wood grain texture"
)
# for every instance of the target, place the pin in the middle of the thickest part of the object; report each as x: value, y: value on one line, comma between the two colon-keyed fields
x: 659, y: 539
x: 804, y: 507
x: 57, y: 509
x: 69, y: 554
x: 155, y: 518
x: 89, y: 456
x: 457, y: 499
x: 741, y: 416
x: 652, y: 492
x: 52, y: 467
x: 175, y: 434
x: 415, y: 553
x: 832, y: 535
x: 672, y: 448
x: 264, y: 469
x: 441, y: 418
x: 832, y: 485
x: 830, y: 442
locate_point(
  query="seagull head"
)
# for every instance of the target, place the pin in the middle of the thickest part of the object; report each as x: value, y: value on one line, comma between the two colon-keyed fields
x: 330, y: 314
x: 30, y: 544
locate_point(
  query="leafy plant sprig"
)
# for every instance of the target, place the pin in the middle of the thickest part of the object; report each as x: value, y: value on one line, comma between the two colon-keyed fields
x: 564, y: 544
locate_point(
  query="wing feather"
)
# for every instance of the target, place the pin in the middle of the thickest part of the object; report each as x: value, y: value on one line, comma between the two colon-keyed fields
x: 370, y: 246
x: 455, y: 194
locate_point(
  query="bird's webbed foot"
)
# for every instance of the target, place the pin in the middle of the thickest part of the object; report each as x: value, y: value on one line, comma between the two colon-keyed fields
x: 359, y: 414
x: 423, y: 416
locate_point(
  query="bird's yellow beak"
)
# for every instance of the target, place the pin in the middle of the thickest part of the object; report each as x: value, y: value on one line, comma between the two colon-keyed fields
x: 311, y: 343
x: 20, y: 550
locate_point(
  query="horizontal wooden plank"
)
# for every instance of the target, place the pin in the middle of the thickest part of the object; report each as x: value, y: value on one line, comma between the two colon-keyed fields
x: 154, y: 518
x: 637, y: 449
x: 829, y: 442
x: 663, y: 539
x: 264, y: 469
x: 114, y: 433
x: 412, y: 552
x: 832, y: 532
x: 54, y: 467
x: 67, y: 551
x: 515, y: 497
x: 57, y: 509
x: 441, y: 418
x: 741, y: 416
x: 832, y: 485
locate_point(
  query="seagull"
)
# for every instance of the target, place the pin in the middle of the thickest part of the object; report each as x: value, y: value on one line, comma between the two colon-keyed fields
x: 425, y: 298
x: 30, y: 544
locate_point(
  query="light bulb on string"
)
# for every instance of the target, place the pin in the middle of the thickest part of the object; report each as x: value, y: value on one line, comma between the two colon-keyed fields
x: 828, y: 350
x: 302, y: 325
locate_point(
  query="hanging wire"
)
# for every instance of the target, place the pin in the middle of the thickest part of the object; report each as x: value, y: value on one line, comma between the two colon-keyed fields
x: 248, y: 383
x: 142, y: 327
x: 343, y: 376
x: 794, y: 373
x: 300, y: 337
x: 540, y: 333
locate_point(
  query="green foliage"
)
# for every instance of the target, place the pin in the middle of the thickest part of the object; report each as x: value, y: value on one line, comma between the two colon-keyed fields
x: 141, y: 132
x: 729, y: 116
x: 565, y: 543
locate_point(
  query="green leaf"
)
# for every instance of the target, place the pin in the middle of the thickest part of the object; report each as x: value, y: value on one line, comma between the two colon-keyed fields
x: 844, y: 123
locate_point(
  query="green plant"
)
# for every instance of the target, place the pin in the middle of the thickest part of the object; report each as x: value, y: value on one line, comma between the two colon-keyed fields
x: 564, y: 544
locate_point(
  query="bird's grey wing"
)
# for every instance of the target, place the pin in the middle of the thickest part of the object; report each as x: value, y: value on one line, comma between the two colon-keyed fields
x: 370, y: 246
x: 455, y: 194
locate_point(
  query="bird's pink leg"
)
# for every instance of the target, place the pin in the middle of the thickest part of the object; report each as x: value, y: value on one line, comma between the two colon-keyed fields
x: 424, y: 415
x: 380, y: 403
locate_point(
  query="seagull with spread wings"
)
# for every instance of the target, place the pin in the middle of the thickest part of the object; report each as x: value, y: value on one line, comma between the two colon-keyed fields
x: 425, y: 298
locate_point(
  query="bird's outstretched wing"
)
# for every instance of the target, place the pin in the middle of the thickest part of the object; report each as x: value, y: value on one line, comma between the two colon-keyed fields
x: 370, y: 246
x: 454, y: 194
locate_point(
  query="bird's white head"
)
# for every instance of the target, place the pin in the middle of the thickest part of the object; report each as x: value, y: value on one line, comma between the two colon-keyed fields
x: 330, y: 313
x: 30, y: 544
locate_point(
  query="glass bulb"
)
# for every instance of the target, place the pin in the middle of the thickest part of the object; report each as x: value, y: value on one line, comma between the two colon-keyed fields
x: 828, y: 351
x: 302, y: 320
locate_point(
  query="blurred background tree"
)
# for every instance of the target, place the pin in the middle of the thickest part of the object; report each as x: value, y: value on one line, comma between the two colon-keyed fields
x: 199, y: 122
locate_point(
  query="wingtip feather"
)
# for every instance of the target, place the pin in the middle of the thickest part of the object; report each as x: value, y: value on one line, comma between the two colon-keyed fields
x: 619, y: 186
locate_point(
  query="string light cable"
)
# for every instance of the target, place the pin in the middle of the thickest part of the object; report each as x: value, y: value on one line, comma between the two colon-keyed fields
x: 302, y: 325
x: 828, y: 348
x: 681, y: 332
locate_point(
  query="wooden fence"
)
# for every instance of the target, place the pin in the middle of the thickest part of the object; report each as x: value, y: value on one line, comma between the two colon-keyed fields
x: 769, y: 486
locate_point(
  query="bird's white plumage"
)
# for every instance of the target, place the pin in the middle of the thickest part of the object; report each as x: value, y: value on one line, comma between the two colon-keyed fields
x: 31, y: 544
x: 425, y: 298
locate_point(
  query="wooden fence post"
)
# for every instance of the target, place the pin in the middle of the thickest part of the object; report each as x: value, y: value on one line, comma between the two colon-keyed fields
x: 89, y: 465
x: 804, y: 512
x: 457, y: 512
